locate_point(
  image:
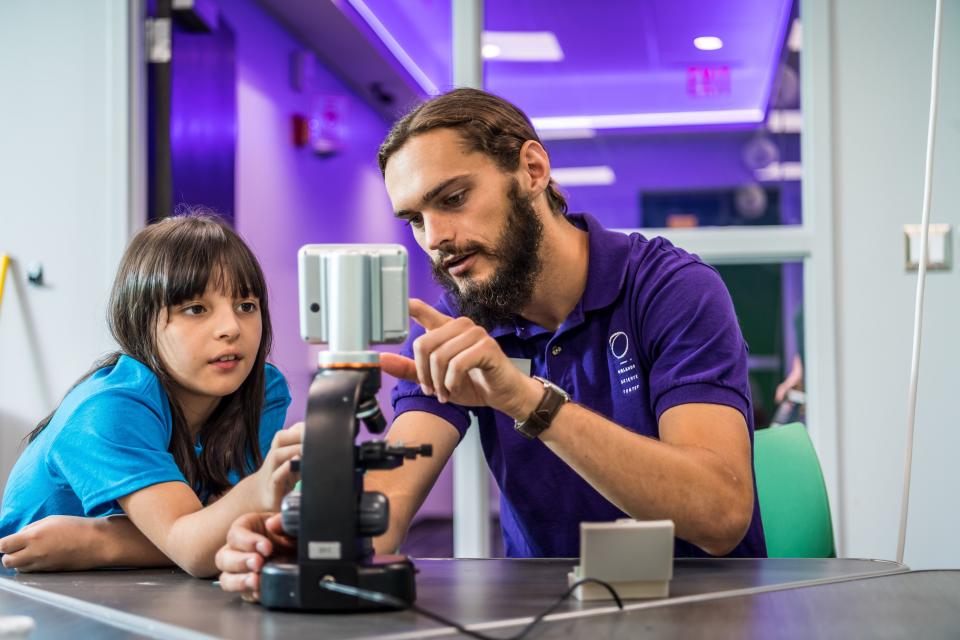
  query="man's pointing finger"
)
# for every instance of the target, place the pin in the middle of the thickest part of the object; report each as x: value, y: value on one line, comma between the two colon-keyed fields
x: 426, y: 316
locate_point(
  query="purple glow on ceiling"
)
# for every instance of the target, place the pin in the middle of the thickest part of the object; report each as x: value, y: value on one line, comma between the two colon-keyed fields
x: 624, y: 61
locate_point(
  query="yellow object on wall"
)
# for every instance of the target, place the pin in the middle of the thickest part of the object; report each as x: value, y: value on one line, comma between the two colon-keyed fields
x: 4, y: 263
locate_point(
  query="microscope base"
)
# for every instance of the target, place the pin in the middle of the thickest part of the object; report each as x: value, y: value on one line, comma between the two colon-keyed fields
x: 284, y: 585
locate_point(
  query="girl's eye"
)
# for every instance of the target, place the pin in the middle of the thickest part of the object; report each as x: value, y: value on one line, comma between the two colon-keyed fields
x: 248, y: 307
x: 193, y: 310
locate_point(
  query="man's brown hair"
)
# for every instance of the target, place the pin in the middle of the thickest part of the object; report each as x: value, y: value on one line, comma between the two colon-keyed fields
x: 487, y: 124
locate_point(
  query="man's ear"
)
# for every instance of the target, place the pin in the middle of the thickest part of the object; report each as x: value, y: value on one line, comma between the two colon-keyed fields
x: 534, y: 167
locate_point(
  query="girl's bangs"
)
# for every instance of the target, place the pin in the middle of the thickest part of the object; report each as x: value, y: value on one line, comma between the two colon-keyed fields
x: 218, y: 260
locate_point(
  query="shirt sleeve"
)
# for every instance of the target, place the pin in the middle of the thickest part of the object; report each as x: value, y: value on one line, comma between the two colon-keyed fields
x: 698, y: 354
x: 276, y: 401
x: 114, y: 444
x: 407, y: 396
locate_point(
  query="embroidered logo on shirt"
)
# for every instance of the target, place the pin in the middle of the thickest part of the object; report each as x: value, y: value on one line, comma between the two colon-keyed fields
x: 627, y: 372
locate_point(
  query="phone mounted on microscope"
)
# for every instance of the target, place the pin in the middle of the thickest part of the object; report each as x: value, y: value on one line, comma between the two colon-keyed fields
x: 351, y: 296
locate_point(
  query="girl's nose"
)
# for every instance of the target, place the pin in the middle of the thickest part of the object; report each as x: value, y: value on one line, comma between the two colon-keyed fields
x: 227, y: 326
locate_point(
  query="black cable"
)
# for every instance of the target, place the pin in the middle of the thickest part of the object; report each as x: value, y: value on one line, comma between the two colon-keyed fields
x: 397, y: 603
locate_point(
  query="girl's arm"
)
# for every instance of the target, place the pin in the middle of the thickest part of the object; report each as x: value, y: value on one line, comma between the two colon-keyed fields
x: 72, y: 543
x: 170, y: 515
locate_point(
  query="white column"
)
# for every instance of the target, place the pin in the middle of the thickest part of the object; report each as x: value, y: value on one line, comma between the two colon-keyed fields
x: 471, y: 479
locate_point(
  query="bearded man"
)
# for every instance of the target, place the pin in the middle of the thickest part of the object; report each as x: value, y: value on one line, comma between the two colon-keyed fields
x: 639, y: 404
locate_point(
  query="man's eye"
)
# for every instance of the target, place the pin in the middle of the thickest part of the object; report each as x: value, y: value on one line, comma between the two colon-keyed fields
x: 193, y: 310
x: 248, y: 307
x: 415, y: 220
x: 456, y: 199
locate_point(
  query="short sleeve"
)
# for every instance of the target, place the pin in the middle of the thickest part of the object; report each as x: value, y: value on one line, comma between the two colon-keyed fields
x: 276, y: 401
x: 697, y: 352
x: 114, y: 444
x: 407, y: 396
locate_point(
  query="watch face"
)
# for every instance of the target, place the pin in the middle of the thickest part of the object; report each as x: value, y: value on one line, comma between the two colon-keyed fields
x: 552, y: 387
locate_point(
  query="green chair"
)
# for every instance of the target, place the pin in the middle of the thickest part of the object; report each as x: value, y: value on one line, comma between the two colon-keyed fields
x: 793, y: 498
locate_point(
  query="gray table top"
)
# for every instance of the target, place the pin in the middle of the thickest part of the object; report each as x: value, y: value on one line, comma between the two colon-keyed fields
x: 495, y: 593
x: 916, y: 604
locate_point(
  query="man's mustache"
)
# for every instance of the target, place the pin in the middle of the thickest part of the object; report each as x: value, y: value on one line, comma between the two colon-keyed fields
x: 445, y: 252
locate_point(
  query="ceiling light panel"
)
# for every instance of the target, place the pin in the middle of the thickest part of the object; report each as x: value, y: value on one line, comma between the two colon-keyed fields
x: 521, y: 46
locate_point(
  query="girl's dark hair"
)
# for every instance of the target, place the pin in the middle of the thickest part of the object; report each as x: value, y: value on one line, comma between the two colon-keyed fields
x: 167, y: 263
x: 488, y: 124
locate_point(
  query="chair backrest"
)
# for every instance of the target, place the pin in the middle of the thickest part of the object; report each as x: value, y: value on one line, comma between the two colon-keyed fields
x: 793, y: 498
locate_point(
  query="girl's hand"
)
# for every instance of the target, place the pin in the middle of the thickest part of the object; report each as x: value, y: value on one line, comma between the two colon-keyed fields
x: 274, y: 479
x: 55, y: 543
x: 252, y: 539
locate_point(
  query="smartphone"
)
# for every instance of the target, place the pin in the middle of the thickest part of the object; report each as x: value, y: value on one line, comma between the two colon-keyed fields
x: 353, y: 295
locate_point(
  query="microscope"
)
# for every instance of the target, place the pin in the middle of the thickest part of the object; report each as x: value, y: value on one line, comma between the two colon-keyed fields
x: 351, y: 296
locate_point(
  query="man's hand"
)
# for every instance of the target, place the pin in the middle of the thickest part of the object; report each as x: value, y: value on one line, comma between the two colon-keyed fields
x: 252, y: 539
x: 55, y: 543
x: 458, y: 361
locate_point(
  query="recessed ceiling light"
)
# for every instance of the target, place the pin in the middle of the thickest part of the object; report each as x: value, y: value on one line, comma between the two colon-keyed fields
x: 523, y: 46
x: 490, y: 51
x: 583, y: 176
x: 708, y: 43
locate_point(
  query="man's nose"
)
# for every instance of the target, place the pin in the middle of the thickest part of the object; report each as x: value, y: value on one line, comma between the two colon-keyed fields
x: 438, y: 231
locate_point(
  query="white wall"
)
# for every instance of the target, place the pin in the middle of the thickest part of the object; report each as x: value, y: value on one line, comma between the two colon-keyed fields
x: 881, y: 56
x: 64, y: 175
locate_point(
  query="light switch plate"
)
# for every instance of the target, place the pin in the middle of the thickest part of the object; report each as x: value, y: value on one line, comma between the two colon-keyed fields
x: 939, y: 256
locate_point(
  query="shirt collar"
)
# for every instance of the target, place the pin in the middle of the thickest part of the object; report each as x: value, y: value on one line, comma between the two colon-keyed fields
x: 607, y: 268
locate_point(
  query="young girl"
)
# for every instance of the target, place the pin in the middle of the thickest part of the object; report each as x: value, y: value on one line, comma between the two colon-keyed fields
x: 179, y: 432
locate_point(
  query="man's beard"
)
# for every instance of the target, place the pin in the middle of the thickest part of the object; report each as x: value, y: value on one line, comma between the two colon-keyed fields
x: 504, y: 295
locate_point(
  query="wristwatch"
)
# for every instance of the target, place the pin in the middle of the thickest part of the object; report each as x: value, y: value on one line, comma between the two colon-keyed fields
x: 536, y: 423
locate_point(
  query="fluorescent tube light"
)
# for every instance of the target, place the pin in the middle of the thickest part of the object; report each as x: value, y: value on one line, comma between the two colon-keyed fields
x: 567, y: 134
x: 583, y: 176
x: 641, y: 120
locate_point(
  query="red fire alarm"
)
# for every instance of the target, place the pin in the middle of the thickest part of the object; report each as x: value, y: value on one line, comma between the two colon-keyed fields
x: 300, y: 129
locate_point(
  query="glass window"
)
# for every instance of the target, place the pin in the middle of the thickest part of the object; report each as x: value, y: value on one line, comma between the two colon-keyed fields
x: 648, y: 124
x: 768, y: 299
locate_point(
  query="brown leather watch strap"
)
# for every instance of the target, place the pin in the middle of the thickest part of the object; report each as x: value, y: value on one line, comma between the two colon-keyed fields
x: 539, y: 420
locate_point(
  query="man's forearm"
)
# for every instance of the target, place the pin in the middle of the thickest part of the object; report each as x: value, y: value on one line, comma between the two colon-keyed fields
x: 647, y: 478
x: 402, y: 510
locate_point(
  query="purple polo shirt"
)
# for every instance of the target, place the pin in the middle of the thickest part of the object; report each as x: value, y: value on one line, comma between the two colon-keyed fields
x: 655, y: 328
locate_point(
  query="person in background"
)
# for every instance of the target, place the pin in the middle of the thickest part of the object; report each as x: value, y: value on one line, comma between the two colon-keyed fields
x: 639, y: 403
x: 161, y: 445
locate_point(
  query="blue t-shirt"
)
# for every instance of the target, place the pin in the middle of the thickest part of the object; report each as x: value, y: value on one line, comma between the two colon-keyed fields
x: 109, y: 438
x: 655, y: 328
